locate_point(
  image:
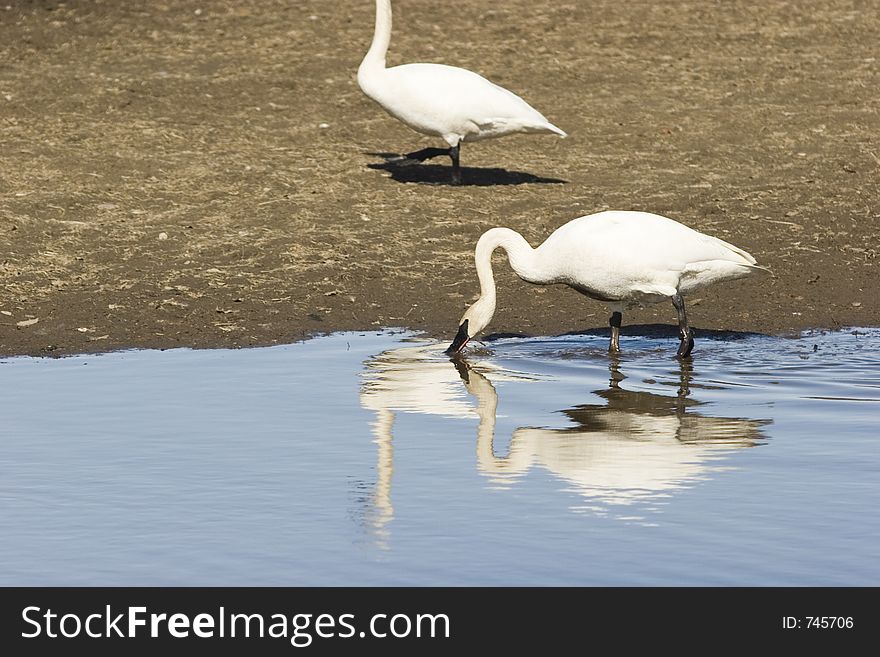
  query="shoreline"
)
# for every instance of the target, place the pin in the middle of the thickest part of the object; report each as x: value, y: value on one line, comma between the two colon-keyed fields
x: 660, y: 331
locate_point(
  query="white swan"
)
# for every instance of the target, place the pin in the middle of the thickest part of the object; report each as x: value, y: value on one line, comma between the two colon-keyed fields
x: 621, y: 258
x: 443, y: 101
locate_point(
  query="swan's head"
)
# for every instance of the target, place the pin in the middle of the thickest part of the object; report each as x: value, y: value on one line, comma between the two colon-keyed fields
x: 474, y: 320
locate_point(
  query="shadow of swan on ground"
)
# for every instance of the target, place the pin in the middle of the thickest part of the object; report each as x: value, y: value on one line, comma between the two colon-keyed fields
x: 635, y: 448
x: 436, y: 174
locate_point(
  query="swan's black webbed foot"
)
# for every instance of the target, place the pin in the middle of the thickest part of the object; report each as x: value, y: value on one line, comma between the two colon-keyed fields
x: 687, y: 344
x: 416, y: 157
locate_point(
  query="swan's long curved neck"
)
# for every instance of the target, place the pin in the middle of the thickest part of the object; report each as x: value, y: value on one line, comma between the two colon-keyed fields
x: 375, y: 57
x: 523, y: 259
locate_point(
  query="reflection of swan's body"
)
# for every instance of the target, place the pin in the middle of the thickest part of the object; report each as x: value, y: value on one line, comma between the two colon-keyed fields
x: 635, y: 447
x: 605, y: 466
x: 443, y: 101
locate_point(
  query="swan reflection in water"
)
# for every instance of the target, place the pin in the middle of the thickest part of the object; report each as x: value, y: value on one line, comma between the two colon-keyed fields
x: 417, y: 379
x: 634, y: 447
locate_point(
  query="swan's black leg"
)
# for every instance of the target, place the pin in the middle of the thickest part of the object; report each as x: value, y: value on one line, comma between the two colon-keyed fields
x: 419, y: 156
x: 687, y: 335
x: 456, y: 169
x: 615, y: 321
x: 429, y: 153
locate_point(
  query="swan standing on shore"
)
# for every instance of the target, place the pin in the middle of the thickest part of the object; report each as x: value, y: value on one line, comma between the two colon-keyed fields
x: 621, y: 258
x: 443, y: 101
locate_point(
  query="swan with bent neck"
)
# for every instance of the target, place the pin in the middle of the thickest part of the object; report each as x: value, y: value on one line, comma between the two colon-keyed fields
x: 619, y: 257
x: 442, y: 101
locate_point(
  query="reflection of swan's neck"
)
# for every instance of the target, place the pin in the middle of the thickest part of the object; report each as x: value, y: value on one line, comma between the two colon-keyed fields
x: 487, y: 404
x: 518, y: 460
x: 383, y: 510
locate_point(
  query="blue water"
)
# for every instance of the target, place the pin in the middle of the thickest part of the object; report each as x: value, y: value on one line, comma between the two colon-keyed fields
x: 372, y: 459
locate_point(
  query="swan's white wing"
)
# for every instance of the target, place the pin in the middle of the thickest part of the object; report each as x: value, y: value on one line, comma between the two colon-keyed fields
x: 445, y: 100
x: 622, y: 254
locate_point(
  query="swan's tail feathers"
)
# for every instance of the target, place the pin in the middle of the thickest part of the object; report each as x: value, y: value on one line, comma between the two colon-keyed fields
x: 543, y: 126
x: 745, y: 255
x: 744, y: 269
x: 495, y: 127
x: 698, y: 274
x: 552, y: 128
x: 759, y: 269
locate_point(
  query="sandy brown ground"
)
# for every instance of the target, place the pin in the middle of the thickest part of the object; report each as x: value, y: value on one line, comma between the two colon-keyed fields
x: 199, y: 173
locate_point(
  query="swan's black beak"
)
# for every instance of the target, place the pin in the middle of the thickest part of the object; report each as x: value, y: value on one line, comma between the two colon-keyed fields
x: 461, y: 339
